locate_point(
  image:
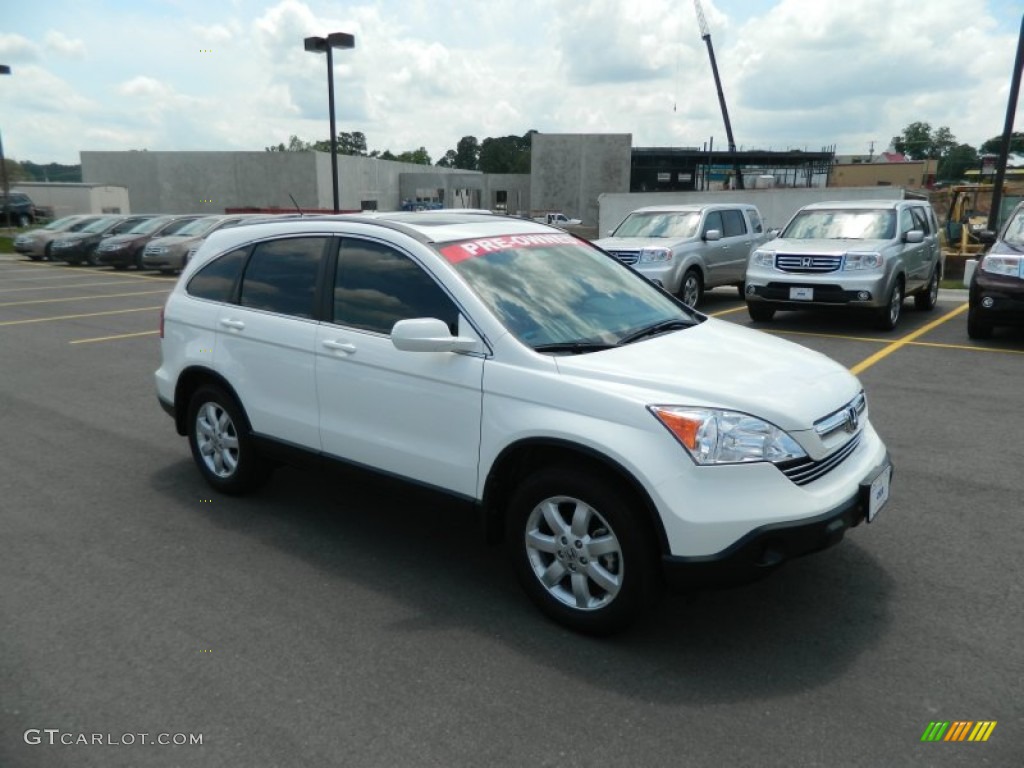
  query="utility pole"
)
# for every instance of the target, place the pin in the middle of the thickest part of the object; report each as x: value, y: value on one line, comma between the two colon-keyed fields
x: 705, y: 34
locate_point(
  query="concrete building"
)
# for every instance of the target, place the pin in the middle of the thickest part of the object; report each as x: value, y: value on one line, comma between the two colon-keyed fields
x: 570, y: 170
x: 65, y: 198
x: 500, y: 192
x: 897, y: 174
x: 210, y: 182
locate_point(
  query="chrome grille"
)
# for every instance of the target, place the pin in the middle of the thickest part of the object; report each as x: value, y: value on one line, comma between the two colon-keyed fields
x: 804, y: 471
x: 842, y: 418
x: 807, y: 264
x: 626, y: 257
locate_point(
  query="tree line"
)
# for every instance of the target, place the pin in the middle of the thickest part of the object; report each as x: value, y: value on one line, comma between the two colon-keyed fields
x: 918, y: 141
x: 503, y: 154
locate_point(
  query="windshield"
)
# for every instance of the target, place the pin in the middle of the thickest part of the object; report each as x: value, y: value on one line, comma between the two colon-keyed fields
x: 199, y: 226
x: 1014, y: 232
x: 557, y: 289
x: 842, y: 225
x: 658, y: 224
x: 99, y: 225
x: 148, y: 225
x: 62, y: 223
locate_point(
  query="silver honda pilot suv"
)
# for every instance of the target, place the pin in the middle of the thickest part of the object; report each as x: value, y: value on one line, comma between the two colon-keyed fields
x: 687, y: 248
x: 870, y: 254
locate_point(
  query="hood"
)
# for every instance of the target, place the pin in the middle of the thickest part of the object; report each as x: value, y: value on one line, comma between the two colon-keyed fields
x: 636, y: 243
x: 125, y: 238
x: 173, y: 239
x: 828, y: 247
x: 723, y: 365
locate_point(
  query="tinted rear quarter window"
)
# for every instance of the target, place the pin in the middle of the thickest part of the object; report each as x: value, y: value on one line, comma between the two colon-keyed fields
x: 216, y: 281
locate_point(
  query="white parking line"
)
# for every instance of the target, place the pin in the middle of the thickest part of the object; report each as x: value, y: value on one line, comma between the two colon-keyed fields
x: 81, y: 298
x: 64, y: 287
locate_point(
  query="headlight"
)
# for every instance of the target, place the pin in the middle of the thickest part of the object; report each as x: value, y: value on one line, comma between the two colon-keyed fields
x: 656, y: 254
x: 1003, y: 265
x: 713, y: 436
x: 763, y: 259
x: 862, y: 261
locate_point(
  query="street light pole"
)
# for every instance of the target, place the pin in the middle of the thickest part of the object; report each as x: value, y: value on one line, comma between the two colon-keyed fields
x: 5, y: 70
x: 326, y: 45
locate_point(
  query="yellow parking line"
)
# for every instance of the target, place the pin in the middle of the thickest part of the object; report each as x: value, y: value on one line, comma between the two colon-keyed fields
x: 75, y: 317
x: 883, y: 353
x: 114, y: 273
x: 80, y: 298
x: 870, y: 339
x: 968, y: 347
x: 57, y: 287
x: 118, y: 336
x: 728, y: 311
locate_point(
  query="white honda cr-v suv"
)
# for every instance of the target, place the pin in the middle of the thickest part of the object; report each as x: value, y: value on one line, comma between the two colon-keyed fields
x: 615, y: 438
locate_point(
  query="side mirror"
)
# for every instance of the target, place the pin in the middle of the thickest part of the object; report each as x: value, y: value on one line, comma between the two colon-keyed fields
x: 773, y: 233
x: 986, y: 236
x: 914, y: 236
x: 713, y: 234
x: 429, y: 334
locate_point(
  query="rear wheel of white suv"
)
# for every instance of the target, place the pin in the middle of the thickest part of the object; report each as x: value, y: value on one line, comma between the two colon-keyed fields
x: 580, y: 550
x: 220, y: 444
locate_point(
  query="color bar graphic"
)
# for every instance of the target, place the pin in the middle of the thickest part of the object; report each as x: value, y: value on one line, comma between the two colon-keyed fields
x: 958, y: 730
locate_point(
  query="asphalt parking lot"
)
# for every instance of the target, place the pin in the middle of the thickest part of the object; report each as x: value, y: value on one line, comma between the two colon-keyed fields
x: 333, y: 620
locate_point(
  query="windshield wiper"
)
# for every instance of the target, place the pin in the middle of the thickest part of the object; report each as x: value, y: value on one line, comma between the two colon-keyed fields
x: 573, y: 347
x: 674, y: 324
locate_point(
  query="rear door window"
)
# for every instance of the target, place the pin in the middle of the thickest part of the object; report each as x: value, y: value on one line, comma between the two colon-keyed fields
x: 734, y: 224
x: 281, y: 276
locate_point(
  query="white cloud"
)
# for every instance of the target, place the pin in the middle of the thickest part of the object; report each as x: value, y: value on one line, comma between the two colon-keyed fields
x: 15, y: 48
x: 64, y: 45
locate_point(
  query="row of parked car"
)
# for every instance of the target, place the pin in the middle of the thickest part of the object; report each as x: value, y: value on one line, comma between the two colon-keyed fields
x: 143, y: 241
x: 868, y: 255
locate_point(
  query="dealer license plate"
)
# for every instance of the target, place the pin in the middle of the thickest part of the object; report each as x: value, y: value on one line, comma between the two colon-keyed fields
x: 878, y: 492
x: 801, y: 294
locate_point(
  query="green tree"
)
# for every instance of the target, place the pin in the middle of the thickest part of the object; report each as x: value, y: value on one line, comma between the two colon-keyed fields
x: 507, y: 154
x: 918, y: 141
x: 418, y: 156
x: 467, y: 153
x: 15, y: 171
x: 994, y: 145
x: 448, y: 161
x: 960, y: 158
x: 295, y: 144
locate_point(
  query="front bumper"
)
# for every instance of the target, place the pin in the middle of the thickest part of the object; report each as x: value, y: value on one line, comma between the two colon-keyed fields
x: 867, y: 289
x: 1003, y: 293
x: 121, y: 257
x: 764, y: 549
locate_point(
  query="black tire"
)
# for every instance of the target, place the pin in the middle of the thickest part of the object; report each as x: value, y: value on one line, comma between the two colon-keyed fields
x: 91, y: 258
x: 741, y: 288
x: 888, y: 317
x: 929, y: 297
x: 35, y: 258
x: 976, y: 327
x: 46, y: 252
x: 760, y: 313
x: 691, y: 288
x: 121, y: 267
x: 218, y: 429
x: 609, y: 561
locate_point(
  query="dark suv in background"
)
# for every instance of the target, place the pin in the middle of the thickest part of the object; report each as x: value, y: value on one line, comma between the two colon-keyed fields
x: 17, y: 209
x: 997, y: 285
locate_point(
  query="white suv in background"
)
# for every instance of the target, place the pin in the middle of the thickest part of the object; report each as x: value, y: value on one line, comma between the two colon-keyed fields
x: 687, y: 248
x: 613, y: 436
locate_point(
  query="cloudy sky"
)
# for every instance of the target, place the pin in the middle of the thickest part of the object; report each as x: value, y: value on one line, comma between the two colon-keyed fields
x: 232, y: 74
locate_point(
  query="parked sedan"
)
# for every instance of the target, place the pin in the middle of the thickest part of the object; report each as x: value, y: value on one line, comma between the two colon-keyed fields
x: 80, y: 247
x: 36, y: 242
x: 123, y: 251
x: 997, y: 286
x: 171, y: 253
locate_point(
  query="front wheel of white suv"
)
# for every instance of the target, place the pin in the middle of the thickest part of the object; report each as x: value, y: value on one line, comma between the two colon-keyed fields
x: 220, y: 443
x: 581, y: 550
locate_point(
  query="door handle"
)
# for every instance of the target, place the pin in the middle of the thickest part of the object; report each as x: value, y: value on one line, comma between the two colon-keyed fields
x: 237, y: 325
x: 340, y: 346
